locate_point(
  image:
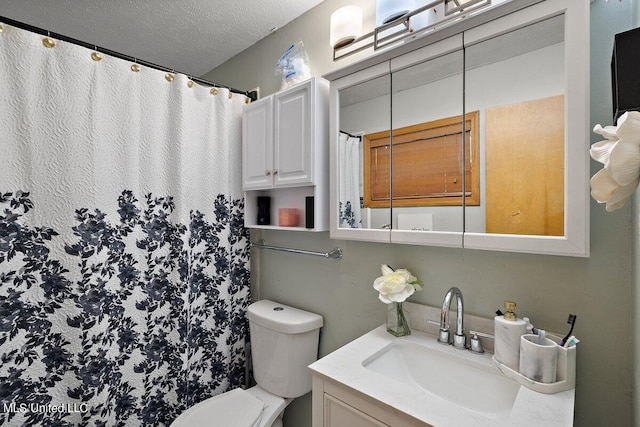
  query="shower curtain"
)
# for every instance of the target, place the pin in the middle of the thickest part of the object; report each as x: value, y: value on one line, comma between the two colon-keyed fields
x: 123, y: 257
x: 350, y: 153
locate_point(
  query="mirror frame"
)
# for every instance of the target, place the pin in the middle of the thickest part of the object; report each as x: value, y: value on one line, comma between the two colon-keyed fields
x: 575, y: 241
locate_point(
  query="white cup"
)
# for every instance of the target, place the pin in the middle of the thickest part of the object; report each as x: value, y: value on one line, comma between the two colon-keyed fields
x: 538, y: 362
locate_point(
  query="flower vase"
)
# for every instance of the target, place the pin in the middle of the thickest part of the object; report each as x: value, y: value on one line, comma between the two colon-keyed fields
x: 397, y: 320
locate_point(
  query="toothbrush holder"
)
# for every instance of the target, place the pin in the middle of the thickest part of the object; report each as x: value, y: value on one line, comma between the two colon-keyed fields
x: 538, y: 358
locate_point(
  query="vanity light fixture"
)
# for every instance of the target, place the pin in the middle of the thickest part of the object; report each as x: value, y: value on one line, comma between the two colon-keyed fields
x: 399, y: 20
x: 388, y: 11
x: 346, y: 26
x: 429, y: 16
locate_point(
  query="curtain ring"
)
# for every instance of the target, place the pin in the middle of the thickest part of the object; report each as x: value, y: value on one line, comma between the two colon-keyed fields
x: 213, y: 91
x: 95, y: 55
x: 48, y: 41
x: 189, y: 83
x: 135, y: 67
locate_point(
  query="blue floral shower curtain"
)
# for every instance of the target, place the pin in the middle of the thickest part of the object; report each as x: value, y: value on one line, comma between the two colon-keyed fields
x: 123, y: 257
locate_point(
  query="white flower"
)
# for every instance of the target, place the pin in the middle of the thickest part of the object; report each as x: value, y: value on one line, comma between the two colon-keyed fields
x: 620, y: 155
x: 395, y: 285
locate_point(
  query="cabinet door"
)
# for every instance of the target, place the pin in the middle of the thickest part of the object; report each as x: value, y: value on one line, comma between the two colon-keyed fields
x: 338, y: 414
x: 294, y: 144
x: 257, y: 145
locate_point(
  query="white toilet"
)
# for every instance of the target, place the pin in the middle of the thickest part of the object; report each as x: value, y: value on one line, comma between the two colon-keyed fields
x: 284, y: 341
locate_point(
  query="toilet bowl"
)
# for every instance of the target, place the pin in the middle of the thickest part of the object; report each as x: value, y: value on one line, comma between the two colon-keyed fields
x: 254, y: 407
x: 284, y: 341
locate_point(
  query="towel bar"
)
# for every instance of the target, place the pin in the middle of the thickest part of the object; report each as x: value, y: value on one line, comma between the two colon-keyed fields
x: 335, y: 253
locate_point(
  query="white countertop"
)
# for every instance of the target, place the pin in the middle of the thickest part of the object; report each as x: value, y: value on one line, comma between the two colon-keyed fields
x: 345, y: 366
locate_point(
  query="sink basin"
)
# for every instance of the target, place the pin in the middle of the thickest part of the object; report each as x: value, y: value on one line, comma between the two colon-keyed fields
x: 427, y: 383
x: 448, y: 373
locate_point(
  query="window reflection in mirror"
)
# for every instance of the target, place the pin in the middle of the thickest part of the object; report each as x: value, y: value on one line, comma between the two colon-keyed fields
x: 517, y: 83
x: 428, y: 146
x: 364, y: 110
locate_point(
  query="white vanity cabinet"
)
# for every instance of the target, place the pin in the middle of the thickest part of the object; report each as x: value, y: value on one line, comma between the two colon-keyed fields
x: 285, y: 153
x: 336, y: 405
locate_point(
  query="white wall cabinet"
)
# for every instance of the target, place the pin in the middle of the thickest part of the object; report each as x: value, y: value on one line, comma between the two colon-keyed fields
x: 479, y: 65
x: 257, y: 144
x: 285, y: 148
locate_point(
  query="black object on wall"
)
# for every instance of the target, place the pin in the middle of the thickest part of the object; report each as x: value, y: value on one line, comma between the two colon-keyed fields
x: 264, y: 210
x: 625, y: 73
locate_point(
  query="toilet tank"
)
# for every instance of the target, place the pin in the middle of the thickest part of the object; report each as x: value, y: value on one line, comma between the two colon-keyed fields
x: 284, y: 341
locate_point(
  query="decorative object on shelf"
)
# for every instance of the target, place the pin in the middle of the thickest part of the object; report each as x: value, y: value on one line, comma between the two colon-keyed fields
x: 394, y: 287
x: 346, y: 26
x: 309, y: 202
x: 288, y: 217
x: 619, y: 152
x: 398, y: 20
x: 264, y: 210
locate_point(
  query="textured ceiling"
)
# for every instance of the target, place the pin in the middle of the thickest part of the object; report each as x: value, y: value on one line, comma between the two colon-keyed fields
x: 190, y: 36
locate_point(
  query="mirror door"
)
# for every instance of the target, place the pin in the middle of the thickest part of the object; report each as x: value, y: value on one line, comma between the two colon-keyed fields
x: 521, y: 75
x: 361, y: 155
x: 516, y: 83
x: 428, y: 132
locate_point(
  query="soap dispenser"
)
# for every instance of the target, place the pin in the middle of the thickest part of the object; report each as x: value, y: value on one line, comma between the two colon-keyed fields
x: 508, y: 330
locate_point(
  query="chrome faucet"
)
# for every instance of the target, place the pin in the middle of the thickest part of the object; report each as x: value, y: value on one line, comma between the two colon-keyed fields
x: 459, y: 339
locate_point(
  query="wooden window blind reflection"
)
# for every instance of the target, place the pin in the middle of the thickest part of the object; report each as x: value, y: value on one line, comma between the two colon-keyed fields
x: 427, y: 164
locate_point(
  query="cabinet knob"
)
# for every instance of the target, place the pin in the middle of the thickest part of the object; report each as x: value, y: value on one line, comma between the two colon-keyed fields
x: 275, y: 171
x: 267, y: 172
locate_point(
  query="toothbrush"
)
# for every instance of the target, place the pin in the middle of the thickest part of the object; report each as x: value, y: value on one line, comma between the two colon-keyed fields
x: 572, y: 321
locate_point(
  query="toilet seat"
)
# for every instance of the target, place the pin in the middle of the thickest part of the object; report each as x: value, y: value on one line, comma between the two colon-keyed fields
x: 235, y: 408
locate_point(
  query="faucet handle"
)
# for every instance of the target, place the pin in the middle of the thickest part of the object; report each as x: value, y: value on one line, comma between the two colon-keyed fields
x: 433, y: 322
x: 476, y: 343
x: 444, y: 336
x: 443, y: 332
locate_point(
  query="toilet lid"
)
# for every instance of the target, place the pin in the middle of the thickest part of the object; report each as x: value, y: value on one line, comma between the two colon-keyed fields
x: 235, y: 408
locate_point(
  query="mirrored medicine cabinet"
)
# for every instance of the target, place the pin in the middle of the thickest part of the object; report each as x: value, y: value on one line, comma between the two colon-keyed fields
x: 477, y: 140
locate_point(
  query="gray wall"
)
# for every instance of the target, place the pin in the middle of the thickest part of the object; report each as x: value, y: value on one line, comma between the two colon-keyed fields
x: 635, y: 220
x: 598, y: 289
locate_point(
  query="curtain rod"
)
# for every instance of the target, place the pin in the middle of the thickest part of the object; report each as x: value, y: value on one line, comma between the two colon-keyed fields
x: 352, y: 136
x: 253, y: 95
